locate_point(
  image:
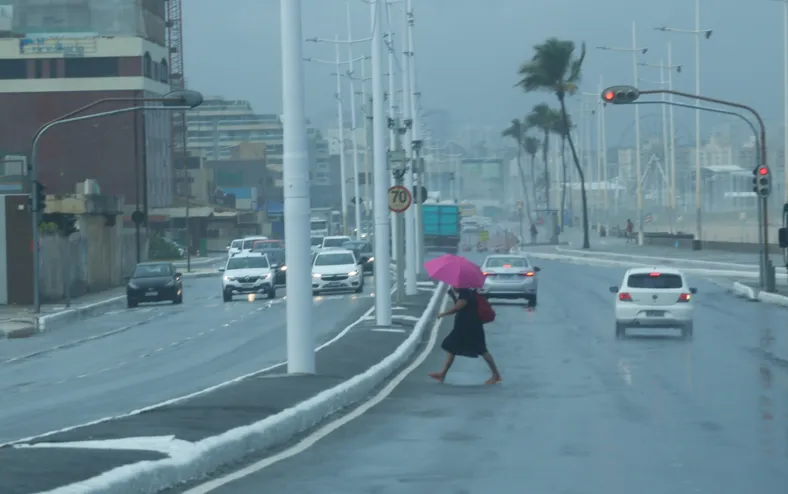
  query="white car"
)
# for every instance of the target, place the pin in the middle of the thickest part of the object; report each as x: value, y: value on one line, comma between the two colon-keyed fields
x: 657, y: 297
x: 336, y: 270
x: 248, y: 273
x: 235, y: 247
x: 337, y: 241
x: 248, y: 243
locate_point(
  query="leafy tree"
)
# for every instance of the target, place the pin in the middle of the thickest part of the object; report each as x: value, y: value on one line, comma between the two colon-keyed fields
x: 517, y: 132
x: 531, y: 147
x: 555, y: 68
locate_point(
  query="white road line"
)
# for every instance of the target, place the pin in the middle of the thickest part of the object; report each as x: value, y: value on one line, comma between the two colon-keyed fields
x: 179, y: 399
x: 327, y: 429
x: 388, y: 330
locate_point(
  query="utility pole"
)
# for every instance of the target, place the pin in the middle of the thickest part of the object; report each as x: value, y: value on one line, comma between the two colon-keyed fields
x: 398, y: 160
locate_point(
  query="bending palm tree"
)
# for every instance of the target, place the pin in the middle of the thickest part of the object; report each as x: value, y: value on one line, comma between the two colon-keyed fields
x: 563, y: 132
x: 554, y: 68
x: 517, y: 132
x: 542, y: 118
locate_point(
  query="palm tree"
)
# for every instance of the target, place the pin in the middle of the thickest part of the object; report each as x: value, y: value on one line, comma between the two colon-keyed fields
x: 555, y: 68
x: 517, y: 132
x: 563, y: 132
x: 531, y: 147
x: 542, y: 118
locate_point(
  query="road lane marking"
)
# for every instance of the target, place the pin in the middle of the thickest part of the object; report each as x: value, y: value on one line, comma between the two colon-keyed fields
x: 388, y: 330
x: 327, y: 429
x: 179, y: 399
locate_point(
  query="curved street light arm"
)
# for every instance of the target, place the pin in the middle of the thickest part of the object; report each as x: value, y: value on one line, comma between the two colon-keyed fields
x: 723, y: 103
x: 338, y: 41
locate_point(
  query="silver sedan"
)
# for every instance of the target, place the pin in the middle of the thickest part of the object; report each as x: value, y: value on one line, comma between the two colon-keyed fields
x: 510, y: 276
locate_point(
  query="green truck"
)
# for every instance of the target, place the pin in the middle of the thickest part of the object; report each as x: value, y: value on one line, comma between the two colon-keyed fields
x: 441, y: 223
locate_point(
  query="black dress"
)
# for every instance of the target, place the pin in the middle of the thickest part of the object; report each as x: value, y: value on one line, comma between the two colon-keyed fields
x: 467, y: 337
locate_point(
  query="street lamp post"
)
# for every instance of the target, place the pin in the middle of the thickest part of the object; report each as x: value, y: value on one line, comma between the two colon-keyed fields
x: 416, y: 138
x: 356, y: 192
x: 297, y: 202
x: 380, y: 203
x: 341, y: 123
x: 635, y: 50
x: 697, y: 32
x: 393, y: 114
x: 669, y: 139
x: 411, y: 242
x: 175, y: 101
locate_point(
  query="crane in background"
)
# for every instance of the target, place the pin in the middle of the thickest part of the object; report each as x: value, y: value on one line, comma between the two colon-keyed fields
x: 177, y: 81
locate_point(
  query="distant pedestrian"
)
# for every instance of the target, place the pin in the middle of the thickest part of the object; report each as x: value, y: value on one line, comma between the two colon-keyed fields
x: 630, y: 228
x: 467, y: 338
x: 534, y: 233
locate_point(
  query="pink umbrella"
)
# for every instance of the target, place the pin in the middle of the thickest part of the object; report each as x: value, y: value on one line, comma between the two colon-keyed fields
x: 455, y: 271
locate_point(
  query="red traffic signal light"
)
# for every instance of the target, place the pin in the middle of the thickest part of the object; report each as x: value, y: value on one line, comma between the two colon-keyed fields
x: 609, y: 95
x: 763, y: 170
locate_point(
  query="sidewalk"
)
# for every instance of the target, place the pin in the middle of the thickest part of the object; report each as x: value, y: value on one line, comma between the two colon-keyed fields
x: 21, y: 322
x: 189, y: 439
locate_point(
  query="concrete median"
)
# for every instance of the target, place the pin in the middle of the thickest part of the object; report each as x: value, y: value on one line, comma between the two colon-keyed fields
x: 197, y: 459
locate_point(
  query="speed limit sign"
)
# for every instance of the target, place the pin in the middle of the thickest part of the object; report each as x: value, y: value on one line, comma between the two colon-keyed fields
x: 399, y: 199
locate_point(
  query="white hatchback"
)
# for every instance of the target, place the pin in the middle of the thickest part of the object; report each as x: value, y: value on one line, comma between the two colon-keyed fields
x: 657, y: 297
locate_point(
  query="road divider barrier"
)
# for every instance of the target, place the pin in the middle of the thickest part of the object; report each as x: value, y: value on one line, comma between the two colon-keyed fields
x: 664, y: 260
x: 593, y: 261
x: 749, y: 293
x: 204, y: 457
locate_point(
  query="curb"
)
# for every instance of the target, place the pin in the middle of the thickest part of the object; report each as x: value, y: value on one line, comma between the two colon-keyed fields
x: 744, y: 291
x: 58, y: 319
x: 23, y: 329
x: 210, y: 454
x: 773, y: 298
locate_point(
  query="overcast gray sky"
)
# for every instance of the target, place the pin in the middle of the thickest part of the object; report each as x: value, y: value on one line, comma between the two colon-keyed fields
x: 468, y: 51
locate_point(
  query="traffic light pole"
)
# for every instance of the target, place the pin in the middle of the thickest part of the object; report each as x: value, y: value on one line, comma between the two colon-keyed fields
x: 35, y: 210
x: 629, y: 94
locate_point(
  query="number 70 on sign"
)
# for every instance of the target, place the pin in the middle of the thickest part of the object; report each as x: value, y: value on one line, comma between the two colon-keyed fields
x: 400, y: 199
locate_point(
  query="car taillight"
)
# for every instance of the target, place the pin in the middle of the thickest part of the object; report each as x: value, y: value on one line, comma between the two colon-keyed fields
x: 488, y: 273
x: 684, y: 297
x: 528, y: 274
x: 624, y: 297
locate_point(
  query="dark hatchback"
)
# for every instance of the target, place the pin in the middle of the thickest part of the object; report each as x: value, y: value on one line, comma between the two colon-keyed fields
x: 154, y: 282
x: 364, y: 253
x: 278, y: 264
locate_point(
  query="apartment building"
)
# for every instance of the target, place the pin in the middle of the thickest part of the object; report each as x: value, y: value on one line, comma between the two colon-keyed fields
x: 59, y: 57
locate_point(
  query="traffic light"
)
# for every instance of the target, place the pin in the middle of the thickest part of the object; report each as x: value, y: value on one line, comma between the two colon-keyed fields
x: 39, y: 197
x: 69, y: 226
x: 761, y: 181
x: 619, y: 95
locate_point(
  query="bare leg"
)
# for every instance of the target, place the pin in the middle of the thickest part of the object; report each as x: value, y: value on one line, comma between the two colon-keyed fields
x: 440, y: 376
x: 496, y: 375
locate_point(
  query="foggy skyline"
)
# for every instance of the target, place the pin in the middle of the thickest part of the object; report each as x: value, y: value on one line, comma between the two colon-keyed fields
x: 468, y: 53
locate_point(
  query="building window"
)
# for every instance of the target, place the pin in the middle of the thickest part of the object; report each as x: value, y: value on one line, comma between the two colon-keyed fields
x: 164, y: 72
x: 53, y: 68
x: 40, y: 68
x: 92, y: 67
x: 13, y: 69
x: 147, y: 66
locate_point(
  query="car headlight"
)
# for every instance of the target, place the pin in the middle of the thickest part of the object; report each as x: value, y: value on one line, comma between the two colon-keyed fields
x: 370, y: 259
x: 316, y: 275
x: 229, y: 278
x: 283, y: 268
x: 352, y: 273
x: 133, y: 286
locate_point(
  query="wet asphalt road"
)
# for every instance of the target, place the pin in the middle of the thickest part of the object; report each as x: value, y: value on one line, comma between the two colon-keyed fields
x: 154, y: 353
x: 578, y: 412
